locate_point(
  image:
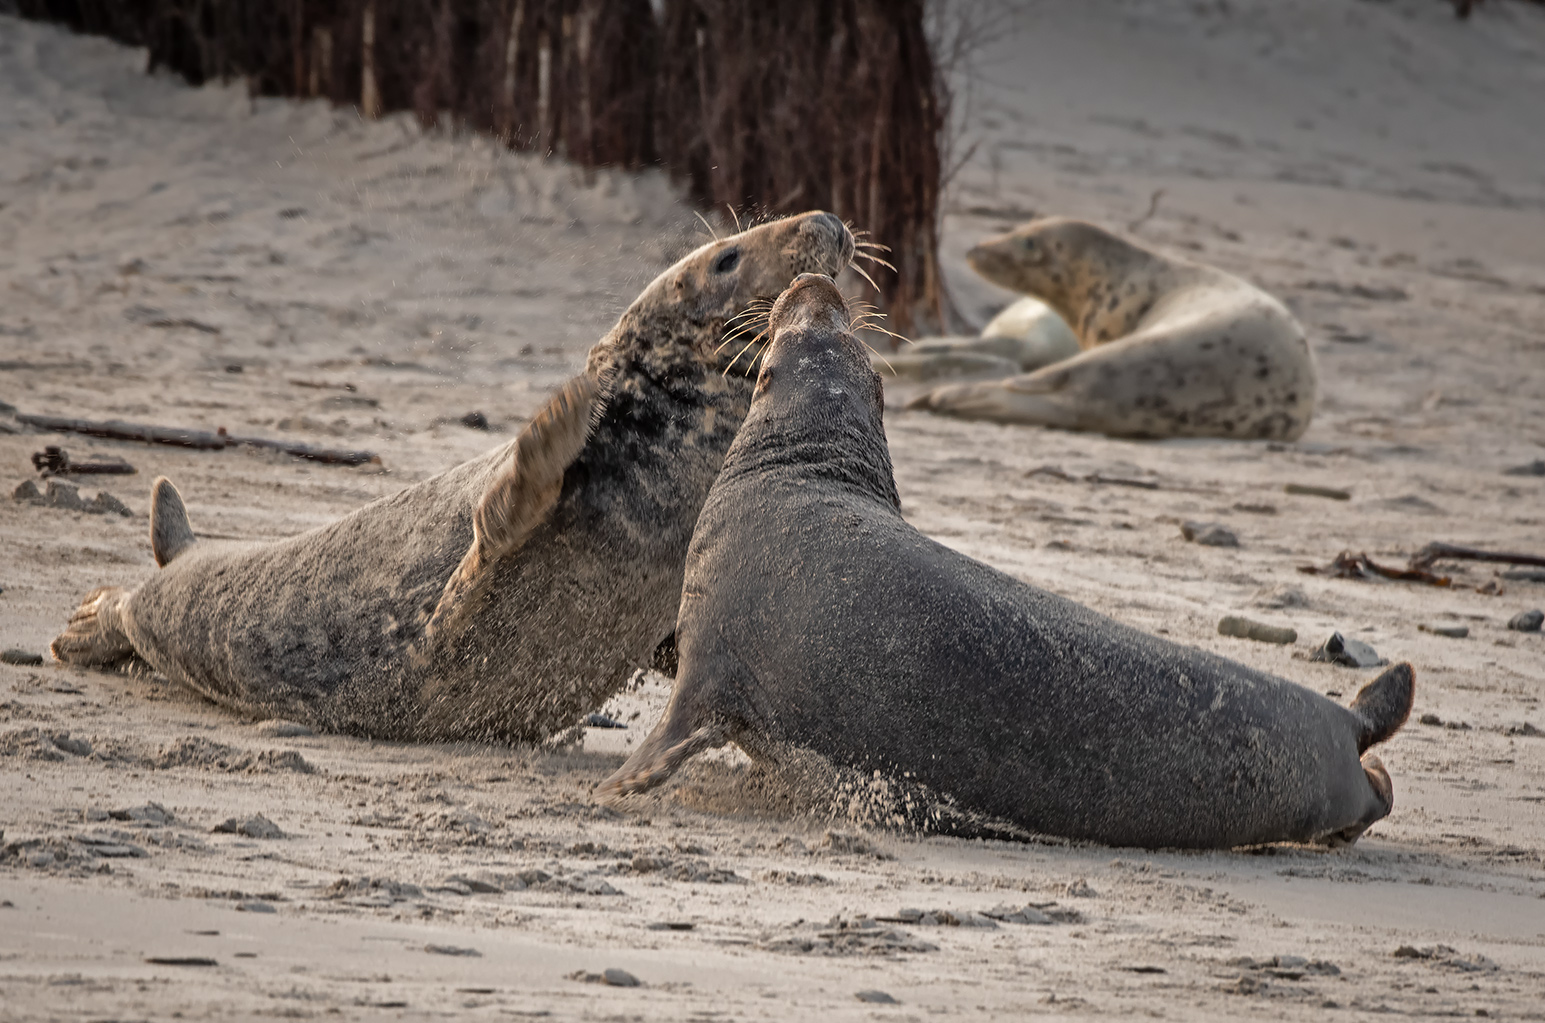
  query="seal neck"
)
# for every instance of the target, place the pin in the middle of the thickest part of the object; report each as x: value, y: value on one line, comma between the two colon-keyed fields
x: 846, y: 449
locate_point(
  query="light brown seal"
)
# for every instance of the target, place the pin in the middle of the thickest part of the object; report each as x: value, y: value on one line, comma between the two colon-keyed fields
x: 815, y: 619
x: 1173, y: 348
x: 504, y: 598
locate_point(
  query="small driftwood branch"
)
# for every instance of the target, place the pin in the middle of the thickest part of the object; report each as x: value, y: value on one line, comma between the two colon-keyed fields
x: 201, y: 440
x: 1436, y: 551
x: 54, y: 460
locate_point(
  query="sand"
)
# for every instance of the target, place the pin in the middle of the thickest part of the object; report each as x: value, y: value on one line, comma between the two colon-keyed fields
x: 196, y: 258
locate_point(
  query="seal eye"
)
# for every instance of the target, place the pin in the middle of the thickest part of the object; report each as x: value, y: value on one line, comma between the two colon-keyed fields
x: 727, y: 262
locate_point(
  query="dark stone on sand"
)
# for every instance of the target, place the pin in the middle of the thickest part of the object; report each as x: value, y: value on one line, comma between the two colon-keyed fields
x: 1527, y: 621
x: 618, y: 978
x: 255, y: 906
x: 672, y: 925
x: 150, y: 813
x: 602, y: 721
x: 475, y: 421
x: 452, y: 950
x: 15, y: 655
x: 1525, y: 575
x: 1209, y: 534
x: 876, y: 998
x: 1534, y: 468
x: 181, y: 961
x: 1352, y: 653
x: 255, y: 826
x: 1308, y: 490
x: 1244, y: 628
x: 1451, y: 631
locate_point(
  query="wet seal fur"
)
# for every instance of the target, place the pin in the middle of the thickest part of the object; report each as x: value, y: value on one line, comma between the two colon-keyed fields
x: 814, y: 618
x: 1172, y: 348
x: 506, y: 597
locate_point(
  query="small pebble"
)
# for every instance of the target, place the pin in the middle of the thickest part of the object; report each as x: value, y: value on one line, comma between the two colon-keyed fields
x: 475, y: 421
x: 23, y: 657
x: 280, y: 729
x: 1233, y: 625
x: 1534, y: 468
x: 451, y: 950
x: 876, y: 998
x: 602, y: 721
x: 1525, y: 575
x: 1527, y: 621
x: 1307, y: 490
x: 1209, y: 534
x: 1451, y: 631
x: 618, y: 978
x: 255, y: 906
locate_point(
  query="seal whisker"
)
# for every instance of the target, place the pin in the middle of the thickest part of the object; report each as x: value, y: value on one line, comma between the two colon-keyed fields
x: 743, y: 352
x: 735, y: 215
x: 875, y: 259
x: 860, y: 271
x: 706, y: 224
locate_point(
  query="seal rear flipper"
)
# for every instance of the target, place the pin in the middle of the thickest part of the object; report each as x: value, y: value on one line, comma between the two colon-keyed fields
x: 1383, y: 705
x: 522, y: 497
x: 170, y: 531
x: 95, y: 636
x: 1384, y: 802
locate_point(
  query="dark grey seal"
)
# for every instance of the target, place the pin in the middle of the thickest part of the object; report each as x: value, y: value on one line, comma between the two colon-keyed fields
x: 814, y: 618
x: 504, y: 598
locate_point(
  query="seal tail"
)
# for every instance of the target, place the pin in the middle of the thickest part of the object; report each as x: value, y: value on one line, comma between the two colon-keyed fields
x: 170, y: 531
x: 521, y: 498
x: 1384, y: 704
x: 95, y: 636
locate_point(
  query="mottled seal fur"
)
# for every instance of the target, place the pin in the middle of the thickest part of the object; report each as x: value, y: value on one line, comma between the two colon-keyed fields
x: 815, y: 619
x: 505, y: 597
x: 1173, y: 348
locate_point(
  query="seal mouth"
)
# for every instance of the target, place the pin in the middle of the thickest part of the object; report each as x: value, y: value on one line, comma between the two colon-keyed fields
x: 815, y: 244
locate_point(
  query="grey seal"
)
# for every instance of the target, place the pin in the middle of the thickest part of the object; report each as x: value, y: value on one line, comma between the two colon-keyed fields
x: 506, y: 597
x: 1172, y: 347
x: 814, y: 619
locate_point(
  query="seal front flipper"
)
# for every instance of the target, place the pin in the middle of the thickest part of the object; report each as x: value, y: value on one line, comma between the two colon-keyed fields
x: 671, y: 744
x: 520, y: 499
x: 706, y: 711
x: 170, y: 531
x: 95, y: 637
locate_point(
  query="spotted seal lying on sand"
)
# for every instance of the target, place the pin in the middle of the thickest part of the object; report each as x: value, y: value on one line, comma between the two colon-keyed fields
x: 1173, y: 348
x: 814, y: 618
x: 505, y: 597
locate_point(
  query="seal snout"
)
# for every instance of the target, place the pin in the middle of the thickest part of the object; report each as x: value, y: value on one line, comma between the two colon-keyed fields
x: 812, y: 300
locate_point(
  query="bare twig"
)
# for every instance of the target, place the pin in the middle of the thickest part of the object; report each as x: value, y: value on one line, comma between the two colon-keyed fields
x: 1453, y: 552
x: 201, y: 440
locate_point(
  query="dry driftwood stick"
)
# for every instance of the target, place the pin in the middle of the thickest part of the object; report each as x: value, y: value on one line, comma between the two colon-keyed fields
x: 1436, y: 551
x: 331, y: 456
x: 199, y: 439
x: 117, y: 430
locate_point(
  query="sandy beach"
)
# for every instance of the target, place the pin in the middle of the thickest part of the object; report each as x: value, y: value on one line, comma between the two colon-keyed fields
x: 197, y: 258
